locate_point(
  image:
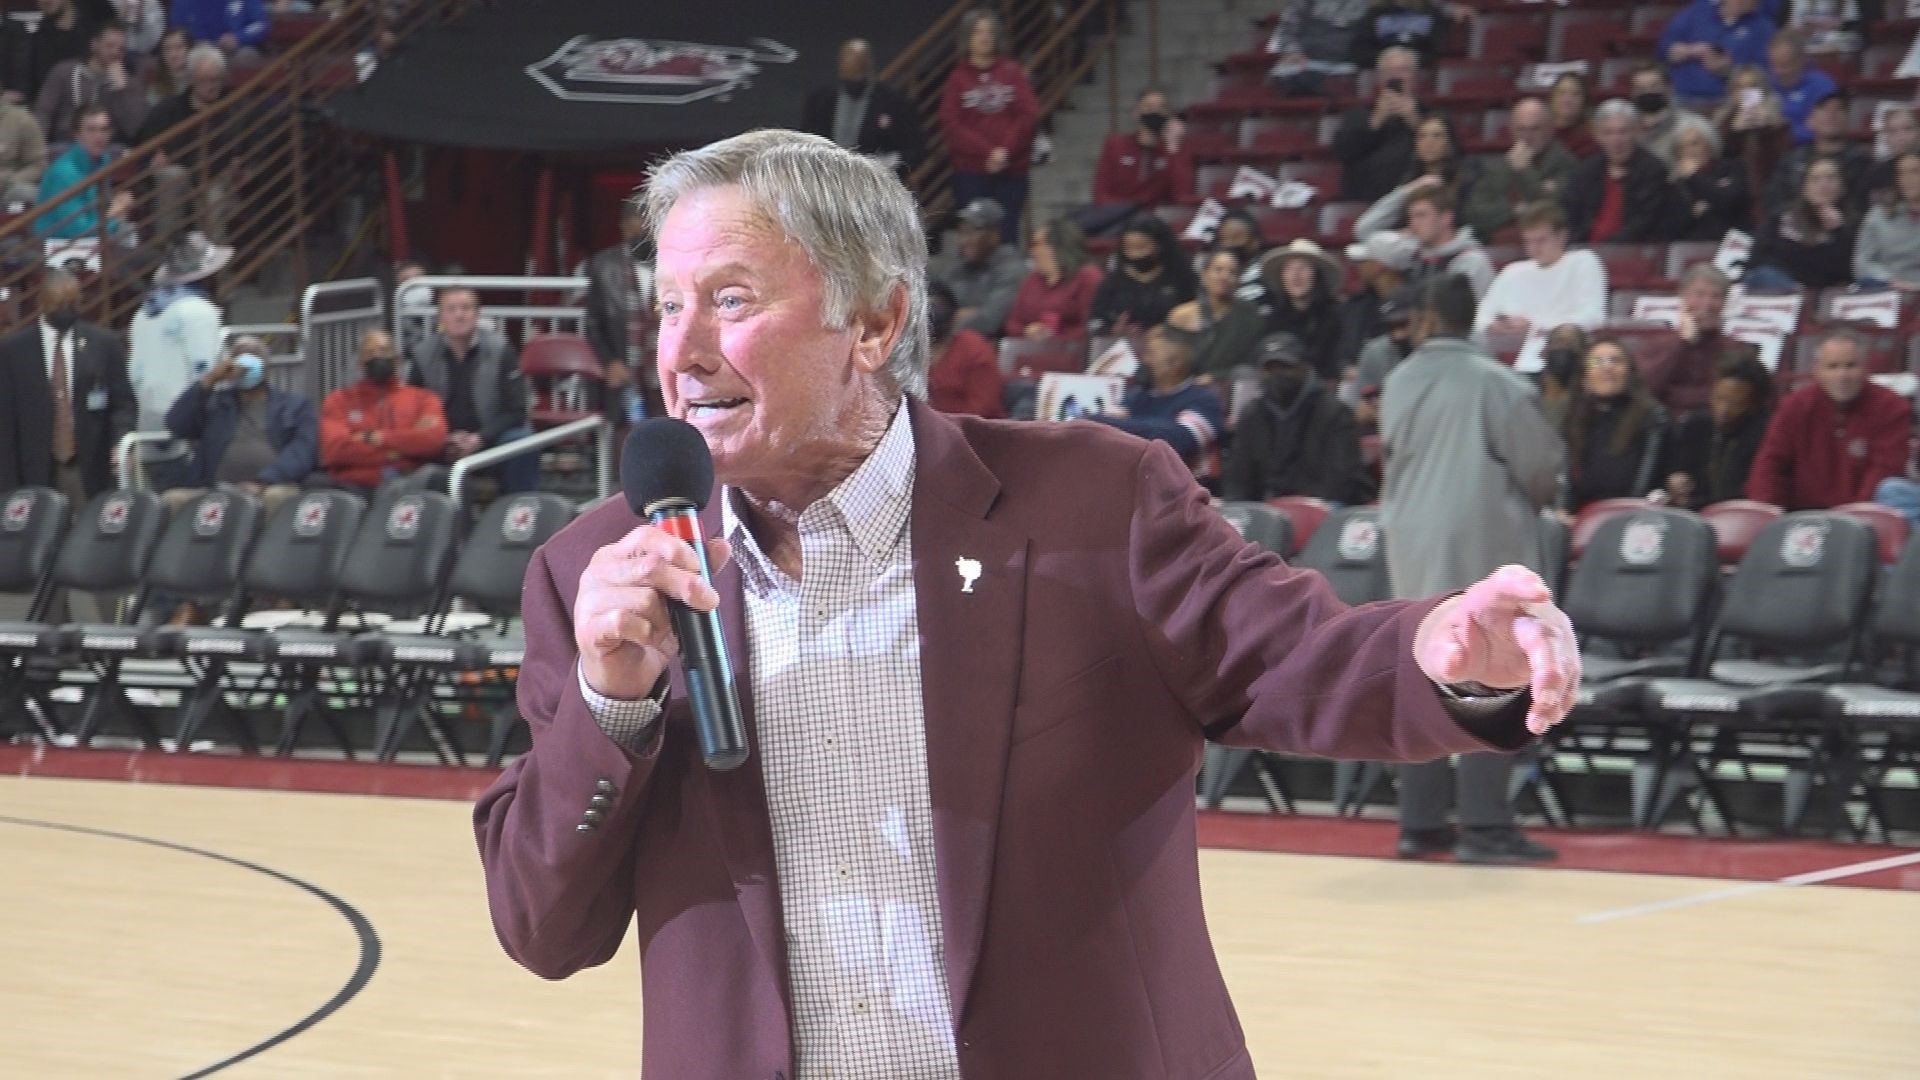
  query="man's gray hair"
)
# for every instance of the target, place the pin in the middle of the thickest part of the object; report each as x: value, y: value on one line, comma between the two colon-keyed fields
x: 1616, y: 109
x: 1709, y: 273
x: 206, y: 54
x: 1849, y: 338
x: 856, y: 222
x: 241, y: 344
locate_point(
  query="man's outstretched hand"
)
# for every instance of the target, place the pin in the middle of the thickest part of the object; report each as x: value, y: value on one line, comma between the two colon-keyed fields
x: 1505, y: 633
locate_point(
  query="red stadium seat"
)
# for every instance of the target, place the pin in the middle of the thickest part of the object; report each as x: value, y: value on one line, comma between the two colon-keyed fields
x: 1322, y: 176
x: 1305, y: 512
x: 1471, y: 86
x: 1588, y: 520
x: 1634, y: 266
x: 1889, y: 525
x: 1279, y: 135
x: 1585, y: 34
x: 1508, y: 39
x: 1336, y: 222
x: 563, y: 379
x: 1735, y: 523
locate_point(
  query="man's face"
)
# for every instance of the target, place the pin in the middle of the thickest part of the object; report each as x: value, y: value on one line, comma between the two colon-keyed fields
x: 1731, y: 400
x: 94, y: 133
x: 1840, y: 370
x: 377, y: 346
x: 1236, y: 234
x: 1165, y: 357
x: 1221, y: 276
x: 1529, y: 125
x: 1786, y: 62
x: 209, y: 82
x: 856, y: 63
x: 977, y: 245
x: 1903, y: 132
x: 1396, y: 64
x: 1152, y: 104
x: 1703, y: 301
x: 1615, y: 136
x: 745, y: 354
x: 1544, y: 243
x: 459, y: 313
x: 109, y: 46
x: 1648, y: 82
x: 1429, y: 225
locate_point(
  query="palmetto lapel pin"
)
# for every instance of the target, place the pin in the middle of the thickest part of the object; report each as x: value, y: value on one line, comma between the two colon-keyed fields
x: 969, y: 573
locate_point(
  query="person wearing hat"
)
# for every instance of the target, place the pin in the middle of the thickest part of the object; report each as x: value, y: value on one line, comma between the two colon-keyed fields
x: 1170, y: 405
x: 173, y: 340
x: 1296, y: 438
x: 1381, y: 262
x: 984, y: 272
x: 1229, y: 328
x: 1305, y: 283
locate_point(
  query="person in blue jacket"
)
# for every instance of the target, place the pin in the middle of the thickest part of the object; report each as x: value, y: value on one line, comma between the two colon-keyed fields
x: 233, y: 25
x: 1171, y: 405
x: 1707, y: 40
x: 1800, y: 87
x: 246, y: 434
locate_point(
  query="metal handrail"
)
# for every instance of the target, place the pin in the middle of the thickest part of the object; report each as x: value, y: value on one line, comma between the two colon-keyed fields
x: 130, y: 476
x: 540, y: 440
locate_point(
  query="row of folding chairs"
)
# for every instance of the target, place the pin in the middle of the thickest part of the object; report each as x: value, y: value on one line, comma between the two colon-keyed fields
x: 311, y: 624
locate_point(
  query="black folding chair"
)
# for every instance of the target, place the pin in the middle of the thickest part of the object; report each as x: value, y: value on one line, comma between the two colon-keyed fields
x: 33, y: 522
x: 1874, y: 727
x: 1271, y: 529
x: 1350, y: 551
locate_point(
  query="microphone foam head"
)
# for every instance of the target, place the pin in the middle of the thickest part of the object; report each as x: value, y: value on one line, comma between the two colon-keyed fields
x: 665, y: 458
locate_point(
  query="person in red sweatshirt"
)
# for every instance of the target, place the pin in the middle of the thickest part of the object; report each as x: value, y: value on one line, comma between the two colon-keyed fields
x: 1832, y: 442
x: 1056, y: 298
x: 1140, y: 169
x: 965, y: 375
x: 988, y: 113
x: 379, y: 427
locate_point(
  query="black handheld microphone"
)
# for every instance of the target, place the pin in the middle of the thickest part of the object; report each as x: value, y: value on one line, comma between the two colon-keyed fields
x: 666, y: 473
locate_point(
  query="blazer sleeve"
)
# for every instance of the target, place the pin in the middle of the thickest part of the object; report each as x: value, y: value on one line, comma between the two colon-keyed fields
x: 561, y: 897
x: 1264, y: 655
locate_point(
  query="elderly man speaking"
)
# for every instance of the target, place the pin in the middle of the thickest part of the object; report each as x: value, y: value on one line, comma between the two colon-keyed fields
x: 963, y: 844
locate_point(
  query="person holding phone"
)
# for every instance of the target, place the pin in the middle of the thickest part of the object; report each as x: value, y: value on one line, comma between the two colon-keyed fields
x: 1706, y: 41
x: 1375, y: 141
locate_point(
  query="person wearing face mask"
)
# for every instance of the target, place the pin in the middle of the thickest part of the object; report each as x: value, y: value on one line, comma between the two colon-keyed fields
x: 1615, y: 432
x: 1153, y: 277
x: 1661, y: 121
x: 865, y: 115
x: 1712, y: 451
x: 1380, y: 356
x: 1297, y: 438
x: 245, y: 434
x: 1239, y: 232
x: 965, y: 373
x: 379, y: 428
x: 1562, y: 363
x: 1140, y: 169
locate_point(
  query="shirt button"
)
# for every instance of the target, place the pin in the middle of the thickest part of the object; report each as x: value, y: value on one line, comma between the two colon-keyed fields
x: 859, y: 1004
x: 843, y: 871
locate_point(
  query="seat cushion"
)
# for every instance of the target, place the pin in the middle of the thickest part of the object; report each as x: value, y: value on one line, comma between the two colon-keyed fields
x: 107, y: 639
x: 1765, y: 672
x: 1693, y: 696
x: 1600, y: 669
x: 234, y: 643
x: 1784, y: 702
x: 27, y: 637
x: 316, y: 647
x: 1873, y: 706
x: 1620, y: 696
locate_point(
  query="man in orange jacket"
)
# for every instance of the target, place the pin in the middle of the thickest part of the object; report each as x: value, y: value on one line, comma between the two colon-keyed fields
x: 379, y: 427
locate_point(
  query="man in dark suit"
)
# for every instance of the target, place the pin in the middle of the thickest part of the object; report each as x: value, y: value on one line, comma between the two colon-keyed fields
x: 963, y: 843
x: 865, y: 115
x: 619, y: 306
x: 65, y: 401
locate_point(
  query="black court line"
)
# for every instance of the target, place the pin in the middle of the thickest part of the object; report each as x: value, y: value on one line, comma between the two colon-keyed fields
x: 369, y: 940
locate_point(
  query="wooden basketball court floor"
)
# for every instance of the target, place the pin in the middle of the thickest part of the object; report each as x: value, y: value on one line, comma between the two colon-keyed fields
x: 160, y: 930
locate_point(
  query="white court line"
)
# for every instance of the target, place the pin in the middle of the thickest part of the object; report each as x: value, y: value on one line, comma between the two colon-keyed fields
x: 1813, y: 877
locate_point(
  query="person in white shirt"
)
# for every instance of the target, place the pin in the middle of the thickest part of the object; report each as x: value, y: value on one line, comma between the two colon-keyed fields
x: 1550, y: 287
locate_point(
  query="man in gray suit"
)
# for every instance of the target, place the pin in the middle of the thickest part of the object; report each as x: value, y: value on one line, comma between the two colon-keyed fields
x: 1470, y: 463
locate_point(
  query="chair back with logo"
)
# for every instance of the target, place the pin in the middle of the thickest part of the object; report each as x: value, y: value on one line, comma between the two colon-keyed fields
x: 1260, y: 524
x: 303, y: 546
x: 1803, y: 583
x: 111, y: 542
x: 204, y: 547
x: 399, y: 557
x: 33, y: 521
x: 1646, y: 577
x: 494, y: 560
x: 1350, y: 551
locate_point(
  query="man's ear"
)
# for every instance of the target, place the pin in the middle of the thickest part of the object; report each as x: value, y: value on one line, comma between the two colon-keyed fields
x: 877, y: 332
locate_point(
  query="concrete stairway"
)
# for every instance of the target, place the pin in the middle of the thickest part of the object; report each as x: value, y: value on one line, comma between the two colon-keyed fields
x: 1194, y: 35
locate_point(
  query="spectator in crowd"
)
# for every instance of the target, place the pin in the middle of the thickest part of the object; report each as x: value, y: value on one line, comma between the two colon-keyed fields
x: 1712, y: 192
x: 1140, y: 169
x: 1621, y: 194
x: 1444, y: 248
x: 245, y: 434
x: 104, y: 77
x: 1239, y: 232
x: 1828, y: 26
x: 1056, y: 298
x: 1550, y: 287
x: 80, y: 215
x: 379, y: 428
x: 1888, y: 249
x: 864, y: 114
x: 1835, y: 440
x: 1706, y: 40
x: 965, y: 372
x: 146, y: 23
x: 475, y: 373
x: 1296, y: 438
x: 1753, y: 134
x: 1170, y: 405
x: 1153, y: 276
x: 984, y: 272
x: 1414, y: 25
x: 168, y: 76
x: 174, y: 338
x: 1380, y: 355
x: 1435, y: 161
x: 62, y: 33
x: 236, y: 27
x: 1662, y: 121
x: 619, y: 305
x: 1311, y: 40
x: 1470, y: 464
x: 1680, y: 369
x: 1563, y: 363
x: 1800, y: 87
x: 1534, y: 167
x: 1567, y: 109
x: 1828, y: 123
x: 1899, y: 134
x: 1810, y: 243
x: 177, y: 165
x: 1615, y: 432
x: 988, y: 113
x: 1375, y: 142
x: 1381, y: 262
x: 23, y: 154
x: 1712, y: 451
x: 1228, y: 328
x: 1307, y: 304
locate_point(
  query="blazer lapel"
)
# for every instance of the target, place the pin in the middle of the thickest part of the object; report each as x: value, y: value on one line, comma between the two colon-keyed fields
x: 970, y: 577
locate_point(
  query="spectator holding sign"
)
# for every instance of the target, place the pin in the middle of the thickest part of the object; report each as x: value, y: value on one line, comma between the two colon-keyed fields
x: 1706, y: 40
x: 1888, y: 250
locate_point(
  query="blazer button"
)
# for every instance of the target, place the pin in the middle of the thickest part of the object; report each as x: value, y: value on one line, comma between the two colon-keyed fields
x: 584, y: 826
x: 600, y: 802
x: 605, y: 786
x: 593, y: 817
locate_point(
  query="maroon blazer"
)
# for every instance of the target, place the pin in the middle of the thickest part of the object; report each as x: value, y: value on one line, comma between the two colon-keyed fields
x: 1118, y: 618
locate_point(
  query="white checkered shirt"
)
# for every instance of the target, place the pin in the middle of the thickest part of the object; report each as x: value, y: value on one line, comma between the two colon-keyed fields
x: 842, y: 730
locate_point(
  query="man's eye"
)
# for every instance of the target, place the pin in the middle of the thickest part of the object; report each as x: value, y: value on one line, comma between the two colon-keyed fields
x: 732, y: 303
x: 669, y: 307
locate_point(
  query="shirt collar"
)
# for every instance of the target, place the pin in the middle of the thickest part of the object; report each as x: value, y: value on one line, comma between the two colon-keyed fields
x: 873, y: 502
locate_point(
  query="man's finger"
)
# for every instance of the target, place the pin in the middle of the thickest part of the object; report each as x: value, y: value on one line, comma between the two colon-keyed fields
x: 1553, y: 668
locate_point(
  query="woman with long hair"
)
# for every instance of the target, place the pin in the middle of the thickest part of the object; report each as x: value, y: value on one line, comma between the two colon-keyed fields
x: 1229, y: 328
x: 1305, y: 283
x: 1712, y: 451
x: 1436, y: 160
x: 167, y: 76
x: 1810, y: 243
x: 1753, y: 133
x: 1151, y: 277
x: 1614, y: 430
x: 1569, y: 107
x: 1056, y: 296
x: 989, y: 114
x: 1888, y: 251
